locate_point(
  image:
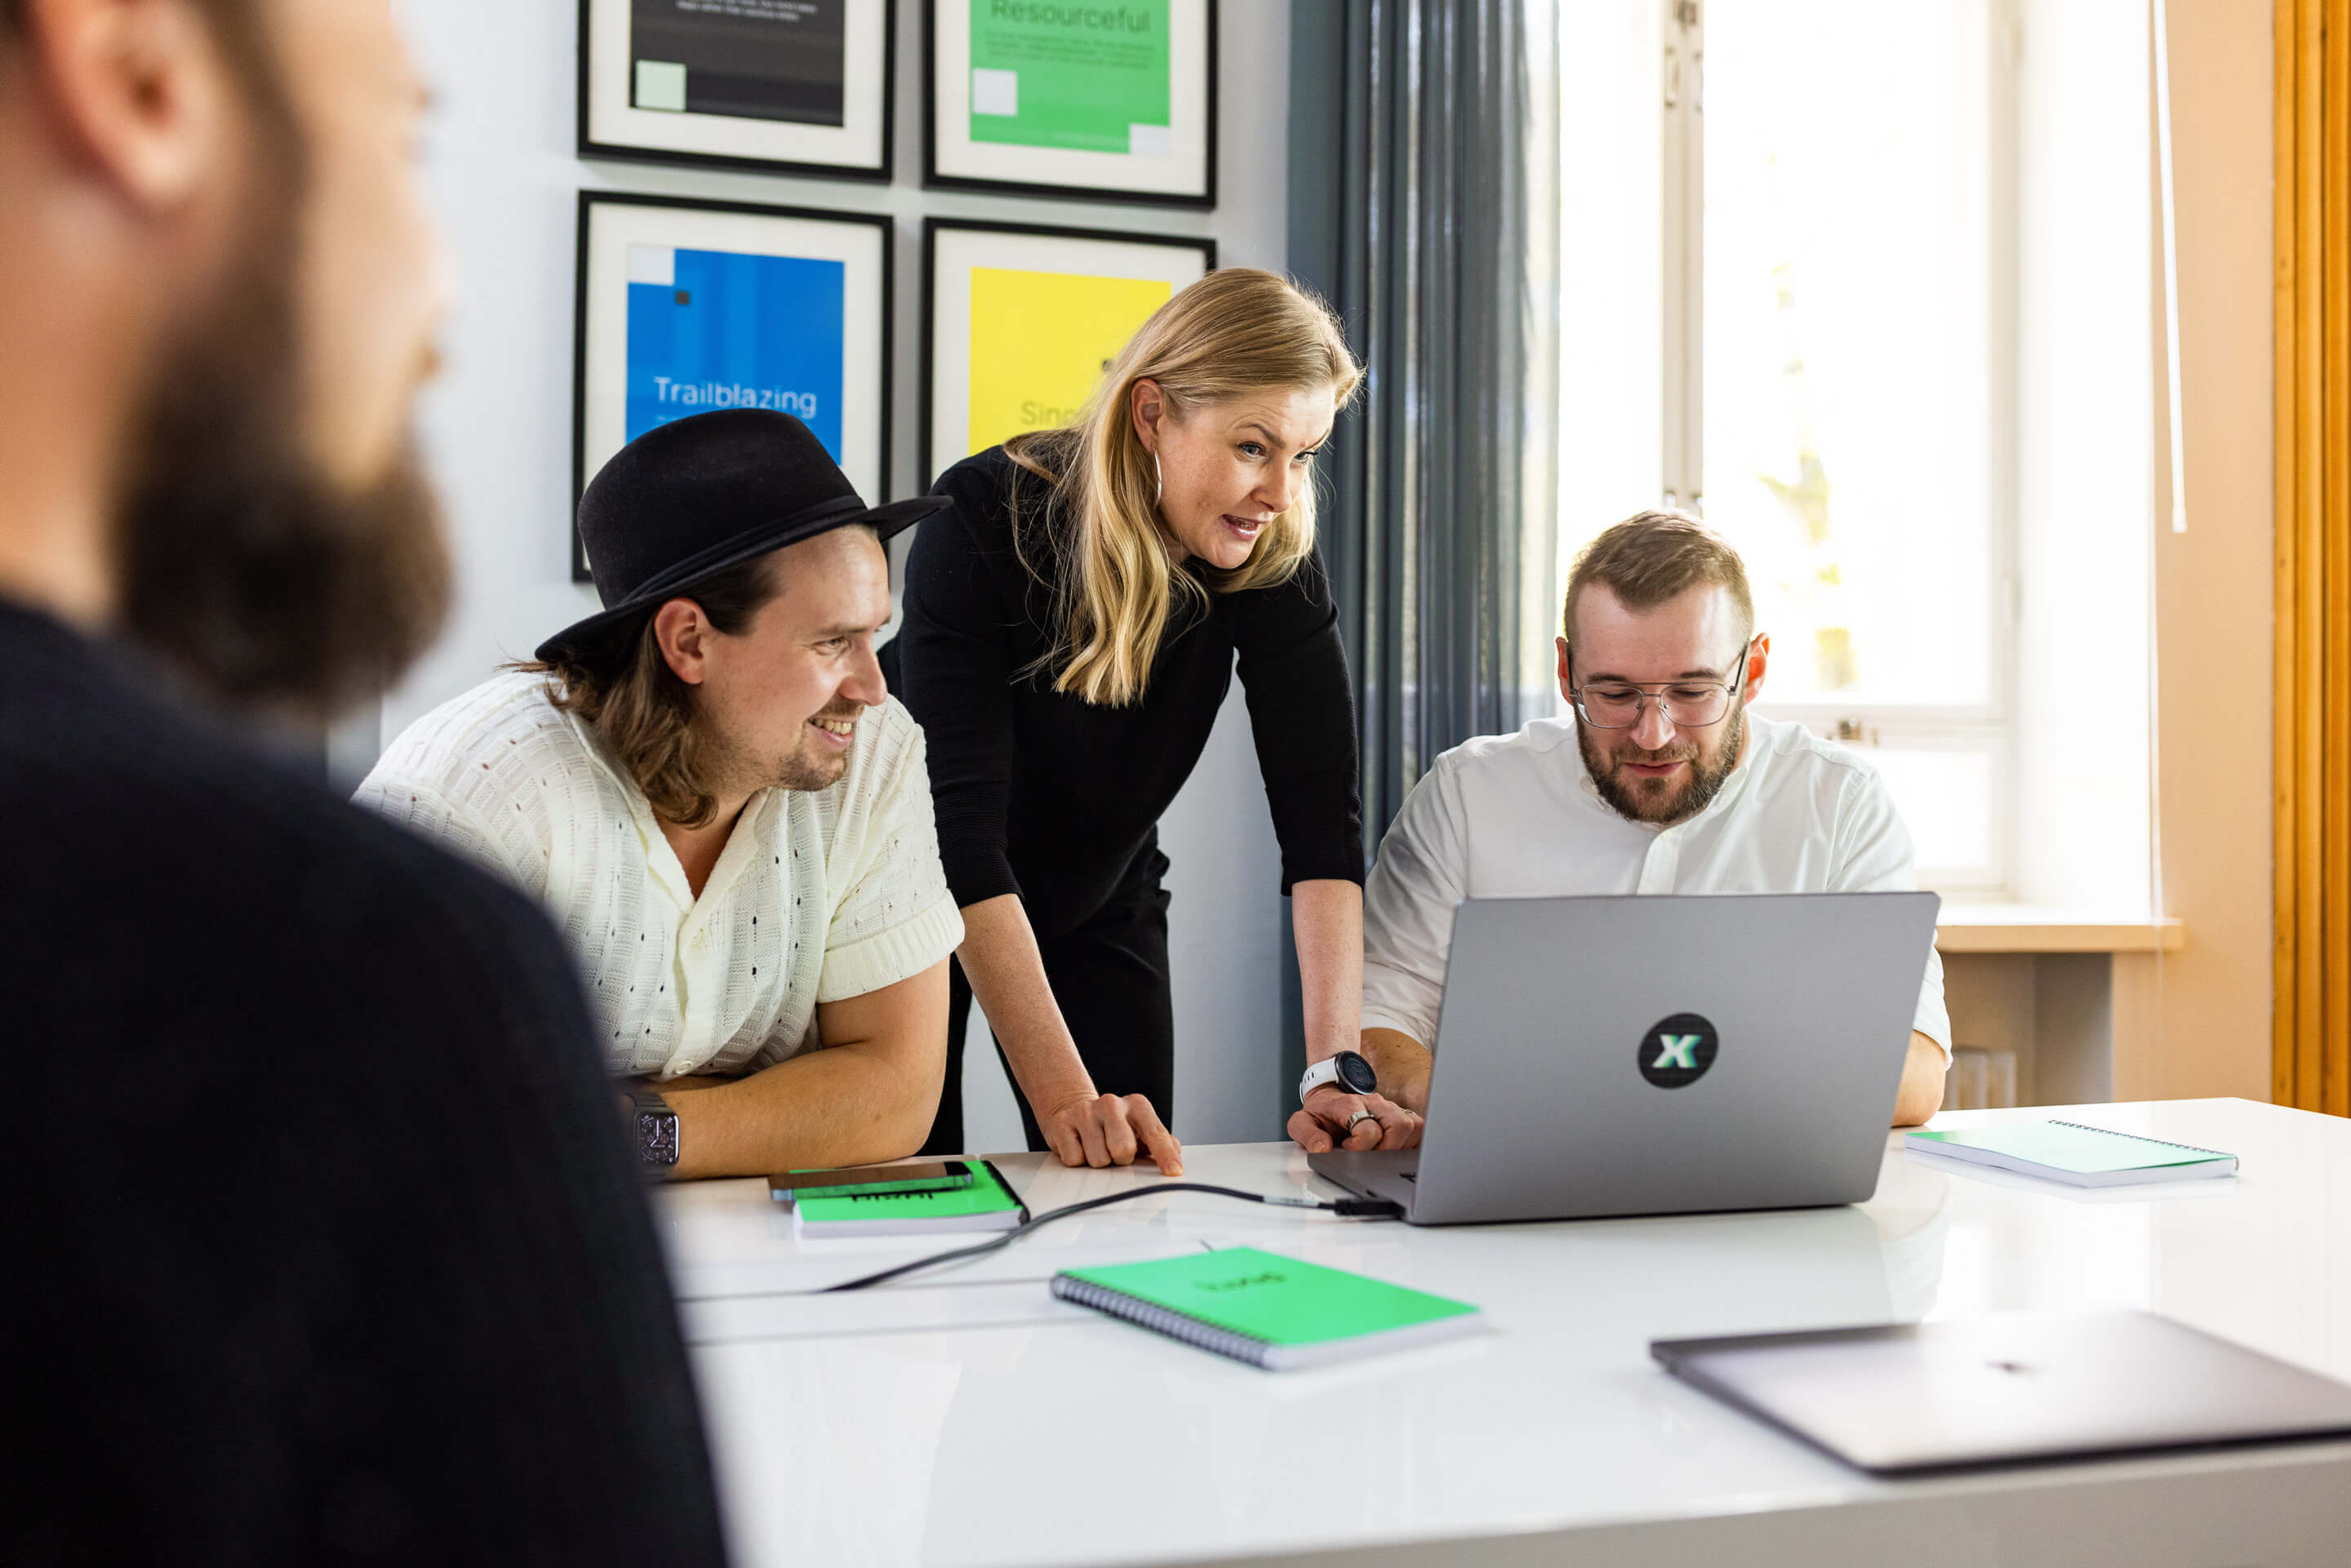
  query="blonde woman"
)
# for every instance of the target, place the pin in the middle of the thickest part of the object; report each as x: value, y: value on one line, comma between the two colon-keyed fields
x: 1071, y: 628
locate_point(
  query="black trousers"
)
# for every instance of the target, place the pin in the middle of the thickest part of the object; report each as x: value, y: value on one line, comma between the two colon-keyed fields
x: 1110, y: 976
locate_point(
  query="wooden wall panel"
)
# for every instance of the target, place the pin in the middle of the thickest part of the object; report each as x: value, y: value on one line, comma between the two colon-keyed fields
x: 2310, y: 1046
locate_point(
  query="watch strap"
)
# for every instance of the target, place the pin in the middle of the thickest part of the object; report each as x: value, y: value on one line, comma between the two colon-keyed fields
x: 1316, y: 1075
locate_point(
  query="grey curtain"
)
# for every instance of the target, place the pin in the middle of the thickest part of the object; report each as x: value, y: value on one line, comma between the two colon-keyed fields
x: 1424, y: 154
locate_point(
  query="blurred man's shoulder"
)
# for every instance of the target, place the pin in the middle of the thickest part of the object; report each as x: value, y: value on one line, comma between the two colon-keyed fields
x: 142, y: 810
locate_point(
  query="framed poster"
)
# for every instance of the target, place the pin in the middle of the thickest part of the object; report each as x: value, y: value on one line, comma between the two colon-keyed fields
x: 1019, y: 322
x: 686, y: 306
x: 779, y: 87
x: 1095, y: 103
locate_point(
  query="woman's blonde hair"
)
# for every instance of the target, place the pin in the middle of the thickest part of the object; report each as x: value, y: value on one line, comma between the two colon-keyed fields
x: 1234, y: 332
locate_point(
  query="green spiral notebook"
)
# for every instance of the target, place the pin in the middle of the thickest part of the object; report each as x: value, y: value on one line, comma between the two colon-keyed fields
x: 1272, y: 1312
x: 987, y: 1204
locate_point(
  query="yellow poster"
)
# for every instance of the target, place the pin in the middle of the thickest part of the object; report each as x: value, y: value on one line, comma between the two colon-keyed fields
x: 1040, y: 341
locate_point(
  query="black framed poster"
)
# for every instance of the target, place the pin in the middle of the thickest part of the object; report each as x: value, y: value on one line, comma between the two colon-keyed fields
x: 1019, y: 322
x: 684, y: 305
x: 796, y: 87
x: 1109, y: 102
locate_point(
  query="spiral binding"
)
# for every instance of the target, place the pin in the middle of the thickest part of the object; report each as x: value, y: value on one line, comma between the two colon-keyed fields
x: 1173, y: 1324
x: 2142, y: 1137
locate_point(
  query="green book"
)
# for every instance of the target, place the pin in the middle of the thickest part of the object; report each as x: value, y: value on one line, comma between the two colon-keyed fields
x: 987, y: 1204
x: 2072, y: 1152
x: 1272, y: 1312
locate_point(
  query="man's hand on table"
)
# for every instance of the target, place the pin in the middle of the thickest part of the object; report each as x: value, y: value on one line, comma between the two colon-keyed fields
x: 1322, y: 1125
x: 1110, y: 1130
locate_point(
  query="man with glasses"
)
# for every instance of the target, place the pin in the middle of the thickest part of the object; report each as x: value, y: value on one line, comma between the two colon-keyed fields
x: 1662, y: 782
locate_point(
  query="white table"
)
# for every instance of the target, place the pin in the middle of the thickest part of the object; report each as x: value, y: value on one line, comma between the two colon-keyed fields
x: 972, y: 1419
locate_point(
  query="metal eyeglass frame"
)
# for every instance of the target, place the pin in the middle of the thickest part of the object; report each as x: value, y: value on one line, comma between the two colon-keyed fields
x: 1643, y: 696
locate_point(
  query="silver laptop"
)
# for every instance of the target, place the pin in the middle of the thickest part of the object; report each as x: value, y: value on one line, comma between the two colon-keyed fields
x: 1660, y: 1055
x: 2008, y: 1389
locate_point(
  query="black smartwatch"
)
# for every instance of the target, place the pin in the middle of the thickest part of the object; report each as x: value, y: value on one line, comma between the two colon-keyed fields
x: 1347, y: 1068
x: 653, y: 1129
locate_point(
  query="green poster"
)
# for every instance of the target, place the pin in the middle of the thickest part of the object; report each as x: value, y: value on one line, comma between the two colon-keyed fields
x: 1092, y: 77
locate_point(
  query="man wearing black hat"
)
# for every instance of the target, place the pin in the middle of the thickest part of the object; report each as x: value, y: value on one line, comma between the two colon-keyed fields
x: 708, y: 784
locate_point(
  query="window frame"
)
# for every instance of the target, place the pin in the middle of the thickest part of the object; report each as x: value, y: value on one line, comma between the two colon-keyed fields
x: 1988, y: 728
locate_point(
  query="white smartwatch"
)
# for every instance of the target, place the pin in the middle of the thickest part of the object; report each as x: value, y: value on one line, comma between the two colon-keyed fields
x: 1348, y: 1070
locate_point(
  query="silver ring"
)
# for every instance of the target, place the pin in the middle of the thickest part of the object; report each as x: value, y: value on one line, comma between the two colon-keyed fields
x: 1361, y: 1115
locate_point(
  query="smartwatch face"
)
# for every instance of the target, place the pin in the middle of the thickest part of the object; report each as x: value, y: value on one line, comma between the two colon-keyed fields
x: 657, y: 1137
x: 1355, y: 1074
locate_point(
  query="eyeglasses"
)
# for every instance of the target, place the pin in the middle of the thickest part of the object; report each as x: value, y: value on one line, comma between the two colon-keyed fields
x: 1685, y: 705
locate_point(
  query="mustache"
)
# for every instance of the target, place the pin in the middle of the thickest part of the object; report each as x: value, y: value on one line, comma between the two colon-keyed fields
x: 1685, y: 753
x: 846, y: 711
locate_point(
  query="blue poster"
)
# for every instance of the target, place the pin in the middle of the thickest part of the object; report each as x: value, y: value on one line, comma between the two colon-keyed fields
x: 713, y: 328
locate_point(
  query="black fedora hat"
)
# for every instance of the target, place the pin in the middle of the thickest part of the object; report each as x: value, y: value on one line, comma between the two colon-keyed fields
x: 700, y: 494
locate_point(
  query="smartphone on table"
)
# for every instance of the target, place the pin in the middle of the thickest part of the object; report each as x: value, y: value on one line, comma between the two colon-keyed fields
x: 859, y: 1181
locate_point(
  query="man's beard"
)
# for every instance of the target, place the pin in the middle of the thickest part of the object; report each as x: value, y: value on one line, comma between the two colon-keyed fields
x: 808, y: 769
x: 238, y: 564
x: 1705, y: 782
x: 802, y: 768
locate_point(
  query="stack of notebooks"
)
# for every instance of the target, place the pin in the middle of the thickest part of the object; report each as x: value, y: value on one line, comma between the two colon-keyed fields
x: 1272, y: 1312
x: 987, y: 1204
x: 2071, y: 1152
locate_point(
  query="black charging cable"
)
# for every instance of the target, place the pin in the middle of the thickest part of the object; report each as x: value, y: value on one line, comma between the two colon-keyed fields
x: 1351, y: 1208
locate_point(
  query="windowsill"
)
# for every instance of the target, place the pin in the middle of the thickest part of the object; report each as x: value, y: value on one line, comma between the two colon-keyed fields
x: 2038, y: 928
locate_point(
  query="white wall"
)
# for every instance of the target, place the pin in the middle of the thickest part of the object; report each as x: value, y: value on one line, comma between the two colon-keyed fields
x: 2198, y: 1022
x: 497, y: 433
x: 2085, y: 450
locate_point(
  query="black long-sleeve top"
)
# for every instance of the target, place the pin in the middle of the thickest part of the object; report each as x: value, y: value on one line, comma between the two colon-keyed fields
x: 1046, y: 796
x: 322, y: 1243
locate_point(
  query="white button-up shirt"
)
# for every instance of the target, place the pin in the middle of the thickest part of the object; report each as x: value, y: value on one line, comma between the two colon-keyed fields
x: 1516, y: 816
x: 819, y: 895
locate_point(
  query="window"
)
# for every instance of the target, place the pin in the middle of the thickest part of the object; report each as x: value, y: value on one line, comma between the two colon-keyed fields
x: 1845, y: 251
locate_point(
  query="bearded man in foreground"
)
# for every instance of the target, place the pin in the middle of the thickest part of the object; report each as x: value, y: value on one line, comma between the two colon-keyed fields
x: 322, y: 1243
